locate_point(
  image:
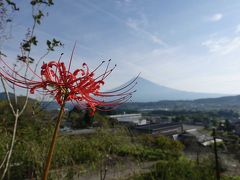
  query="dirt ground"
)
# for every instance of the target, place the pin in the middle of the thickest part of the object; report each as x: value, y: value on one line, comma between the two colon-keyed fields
x: 120, y: 171
x: 229, y: 161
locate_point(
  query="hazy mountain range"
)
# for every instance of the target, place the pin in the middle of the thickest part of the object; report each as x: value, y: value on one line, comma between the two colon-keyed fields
x: 152, y: 95
x: 148, y: 91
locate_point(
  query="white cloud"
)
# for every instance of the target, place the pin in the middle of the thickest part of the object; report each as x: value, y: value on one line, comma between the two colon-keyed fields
x: 223, y: 46
x: 237, y: 29
x: 123, y: 1
x: 135, y: 24
x: 216, y: 17
x: 157, y: 40
x: 139, y: 24
x: 132, y: 24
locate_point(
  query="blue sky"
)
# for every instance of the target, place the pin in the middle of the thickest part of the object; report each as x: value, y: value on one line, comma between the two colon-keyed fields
x: 187, y: 45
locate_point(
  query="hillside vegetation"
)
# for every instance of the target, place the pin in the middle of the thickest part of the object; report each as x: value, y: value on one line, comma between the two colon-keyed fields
x: 77, y: 155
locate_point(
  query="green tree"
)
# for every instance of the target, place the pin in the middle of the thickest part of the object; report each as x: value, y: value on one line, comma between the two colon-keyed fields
x: 7, y: 8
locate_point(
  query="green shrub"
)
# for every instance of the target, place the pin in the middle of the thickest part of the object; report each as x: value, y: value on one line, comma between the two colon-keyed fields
x: 181, y: 169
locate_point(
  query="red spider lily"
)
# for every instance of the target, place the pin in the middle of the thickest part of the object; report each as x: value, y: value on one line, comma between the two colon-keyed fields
x: 81, y: 85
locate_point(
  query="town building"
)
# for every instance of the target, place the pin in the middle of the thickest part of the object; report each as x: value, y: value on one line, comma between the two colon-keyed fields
x: 130, y: 119
x: 160, y: 129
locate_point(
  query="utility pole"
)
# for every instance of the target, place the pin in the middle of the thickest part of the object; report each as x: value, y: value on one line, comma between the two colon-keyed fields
x: 216, y: 155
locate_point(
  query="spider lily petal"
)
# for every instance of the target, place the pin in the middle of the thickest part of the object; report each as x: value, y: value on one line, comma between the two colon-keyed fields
x: 81, y: 86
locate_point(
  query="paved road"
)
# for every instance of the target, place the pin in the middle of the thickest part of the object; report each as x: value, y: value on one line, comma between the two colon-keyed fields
x: 79, y: 131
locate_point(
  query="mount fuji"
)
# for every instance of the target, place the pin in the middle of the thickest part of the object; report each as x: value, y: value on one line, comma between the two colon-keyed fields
x: 148, y: 91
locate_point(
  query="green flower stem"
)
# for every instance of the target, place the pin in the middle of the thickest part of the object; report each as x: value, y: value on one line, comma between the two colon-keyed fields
x: 52, y: 147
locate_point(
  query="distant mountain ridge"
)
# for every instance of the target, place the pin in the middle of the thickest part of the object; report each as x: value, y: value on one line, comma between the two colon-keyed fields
x: 226, y: 100
x: 148, y: 91
x: 150, y: 95
x: 4, y: 97
x: 226, y: 103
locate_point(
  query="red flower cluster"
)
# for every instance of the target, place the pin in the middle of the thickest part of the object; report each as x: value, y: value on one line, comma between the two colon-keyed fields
x: 81, y: 86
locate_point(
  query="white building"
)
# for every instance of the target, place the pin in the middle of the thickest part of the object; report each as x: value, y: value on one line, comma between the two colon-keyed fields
x: 135, y: 119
